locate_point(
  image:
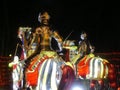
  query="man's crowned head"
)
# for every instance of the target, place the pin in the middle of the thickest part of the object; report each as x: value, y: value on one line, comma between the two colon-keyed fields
x: 43, y: 17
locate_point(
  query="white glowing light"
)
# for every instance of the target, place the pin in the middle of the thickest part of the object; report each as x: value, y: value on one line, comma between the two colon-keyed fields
x: 77, y: 88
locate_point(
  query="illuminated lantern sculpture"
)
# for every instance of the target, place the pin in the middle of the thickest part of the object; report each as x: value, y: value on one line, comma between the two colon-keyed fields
x: 96, y: 68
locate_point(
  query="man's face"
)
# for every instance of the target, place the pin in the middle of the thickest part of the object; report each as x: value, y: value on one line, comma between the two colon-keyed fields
x: 20, y: 33
x: 82, y: 36
x: 43, y: 18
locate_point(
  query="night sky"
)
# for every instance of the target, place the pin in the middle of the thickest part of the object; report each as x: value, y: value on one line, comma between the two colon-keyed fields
x: 101, y: 21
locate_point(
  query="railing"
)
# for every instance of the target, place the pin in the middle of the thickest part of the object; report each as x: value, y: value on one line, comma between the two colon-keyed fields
x: 5, y: 73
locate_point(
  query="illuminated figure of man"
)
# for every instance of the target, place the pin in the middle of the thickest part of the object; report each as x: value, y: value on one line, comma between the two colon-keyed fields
x: 42, y: 36
x: 46, y: 33
x: 84, y: 45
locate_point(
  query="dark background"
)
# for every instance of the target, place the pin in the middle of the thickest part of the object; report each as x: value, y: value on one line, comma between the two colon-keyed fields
x: 101, y: 21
